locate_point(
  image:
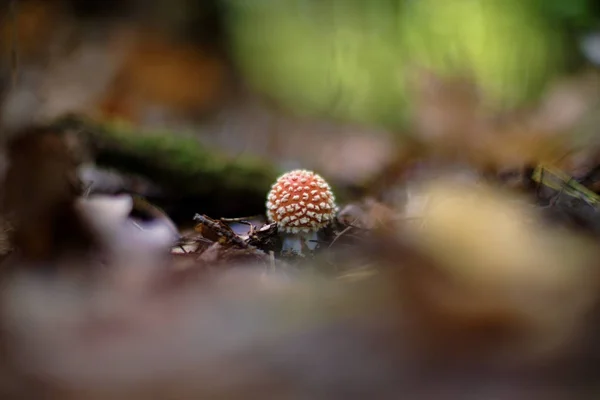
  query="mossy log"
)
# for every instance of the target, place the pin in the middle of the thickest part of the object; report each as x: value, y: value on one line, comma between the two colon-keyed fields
x: 196, y: 178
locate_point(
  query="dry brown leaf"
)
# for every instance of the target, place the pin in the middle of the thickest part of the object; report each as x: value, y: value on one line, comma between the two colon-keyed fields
x: 157, y: 72
x: 496, y: 244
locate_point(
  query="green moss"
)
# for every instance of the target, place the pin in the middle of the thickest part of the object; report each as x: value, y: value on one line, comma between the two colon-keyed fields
x: 181, y: 163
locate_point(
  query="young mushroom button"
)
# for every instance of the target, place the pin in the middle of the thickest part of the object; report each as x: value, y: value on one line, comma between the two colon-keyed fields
x: 301, y: 203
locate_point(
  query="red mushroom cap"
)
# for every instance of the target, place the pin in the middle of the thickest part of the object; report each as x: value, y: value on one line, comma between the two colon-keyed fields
x: 301, y: 201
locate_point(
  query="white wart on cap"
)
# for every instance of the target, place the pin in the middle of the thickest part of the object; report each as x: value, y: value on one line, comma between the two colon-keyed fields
x: 301, y: 201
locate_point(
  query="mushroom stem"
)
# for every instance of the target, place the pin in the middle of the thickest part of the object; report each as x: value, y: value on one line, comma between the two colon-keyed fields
x: 292, y: 243
x: 298, y: 241
x: 308, y: 237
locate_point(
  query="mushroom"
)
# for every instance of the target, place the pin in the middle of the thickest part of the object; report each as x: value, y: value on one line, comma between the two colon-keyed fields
x: 301, y: 203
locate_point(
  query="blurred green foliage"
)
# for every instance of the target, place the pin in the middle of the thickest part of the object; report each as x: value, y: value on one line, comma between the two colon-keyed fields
x: 351, y: 59
x: 571, y: 14
x: 504, y: 45
x: 337, y: 58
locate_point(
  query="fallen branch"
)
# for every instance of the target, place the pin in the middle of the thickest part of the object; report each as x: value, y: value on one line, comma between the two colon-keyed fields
x: 212, y: 182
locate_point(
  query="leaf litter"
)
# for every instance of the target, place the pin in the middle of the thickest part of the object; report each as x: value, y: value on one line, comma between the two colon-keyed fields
x: 469, y: 270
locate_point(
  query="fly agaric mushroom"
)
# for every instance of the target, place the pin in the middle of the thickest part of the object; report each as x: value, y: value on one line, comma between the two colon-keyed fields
x: 301, y: 203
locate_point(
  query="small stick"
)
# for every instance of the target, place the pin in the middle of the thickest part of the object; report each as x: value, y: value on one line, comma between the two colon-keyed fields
x: 218, y: 229
x: 348, y: 228
x: 243, y: 220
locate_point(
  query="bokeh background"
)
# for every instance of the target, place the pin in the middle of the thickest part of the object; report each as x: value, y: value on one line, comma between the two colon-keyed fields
x: 339, y: 86
x: 451, y: 288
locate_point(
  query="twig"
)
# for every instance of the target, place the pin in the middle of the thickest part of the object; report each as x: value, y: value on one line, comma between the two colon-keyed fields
x: 88, y: 189
x: 242, y: 220
x: 346, y: 230
x: 220, y: 231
